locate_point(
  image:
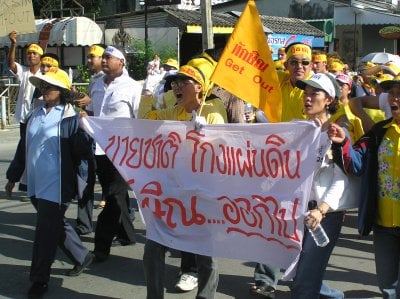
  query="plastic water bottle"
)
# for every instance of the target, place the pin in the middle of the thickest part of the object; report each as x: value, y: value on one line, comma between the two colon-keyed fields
x: 318, y: 234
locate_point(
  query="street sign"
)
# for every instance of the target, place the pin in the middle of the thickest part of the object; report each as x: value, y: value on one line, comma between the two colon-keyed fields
x: 162, y: 2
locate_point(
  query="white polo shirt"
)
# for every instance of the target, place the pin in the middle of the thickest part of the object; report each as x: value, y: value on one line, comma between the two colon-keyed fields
x: 120, y: 98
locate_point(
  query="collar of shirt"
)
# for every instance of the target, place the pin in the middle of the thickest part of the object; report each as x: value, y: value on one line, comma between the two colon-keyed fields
x: 394, y: 125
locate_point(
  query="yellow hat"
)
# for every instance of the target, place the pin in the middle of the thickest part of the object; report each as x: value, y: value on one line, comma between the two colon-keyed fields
x: 96, y: 50
x: 54, y: 76
x: 319, y: 58
x: 49, y: 61
x: 381, y: 78
x: 172, y: 62
x: 366, y: 65
x: 336, y: 66
x: 394, y: 67
x: 35, y: 48
x: 386, y: 85
x: 200, y: 70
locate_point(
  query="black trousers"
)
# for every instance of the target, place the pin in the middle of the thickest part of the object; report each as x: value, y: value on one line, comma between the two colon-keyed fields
x: 84, y: 220
x: 114, y: 219
x: 52, y: 230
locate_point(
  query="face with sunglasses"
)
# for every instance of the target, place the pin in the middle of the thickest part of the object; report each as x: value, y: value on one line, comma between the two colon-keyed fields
x: 299, y: 67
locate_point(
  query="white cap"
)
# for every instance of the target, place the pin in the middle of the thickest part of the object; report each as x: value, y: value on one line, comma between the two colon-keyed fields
x: 114, y: 52
x: 320, y: 81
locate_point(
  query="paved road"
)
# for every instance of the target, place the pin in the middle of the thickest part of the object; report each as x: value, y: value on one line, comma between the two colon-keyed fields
x: 351, y: 267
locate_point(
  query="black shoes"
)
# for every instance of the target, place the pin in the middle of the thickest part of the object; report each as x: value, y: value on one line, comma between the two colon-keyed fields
x: 121, y: 242
x: 78, y: 269
x: 37, y: 290
x: 263, y: 291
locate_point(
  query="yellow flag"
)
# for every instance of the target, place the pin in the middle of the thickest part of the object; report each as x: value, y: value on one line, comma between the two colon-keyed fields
x: 246, y: 67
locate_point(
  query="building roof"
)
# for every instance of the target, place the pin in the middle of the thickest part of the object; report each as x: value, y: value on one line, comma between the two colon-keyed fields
x: 69, y: 31
x: 185, y: 19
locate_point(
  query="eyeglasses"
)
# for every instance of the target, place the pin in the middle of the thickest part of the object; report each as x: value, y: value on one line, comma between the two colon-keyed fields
x: 180, y: 83
x: 294, y: 62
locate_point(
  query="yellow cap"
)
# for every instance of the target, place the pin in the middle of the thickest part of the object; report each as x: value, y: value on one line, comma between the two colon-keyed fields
x: 172, y: 62
x: 49, y: 61
x: 35, y: 48
x: 96, y: 50
x: 54, y: 76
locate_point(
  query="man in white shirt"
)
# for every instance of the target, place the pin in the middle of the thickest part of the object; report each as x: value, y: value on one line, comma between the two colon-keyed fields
x: 22, y: 73
x: 114, y: 95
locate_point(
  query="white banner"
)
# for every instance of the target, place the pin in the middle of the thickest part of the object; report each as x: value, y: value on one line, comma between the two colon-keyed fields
x: 234, y: 191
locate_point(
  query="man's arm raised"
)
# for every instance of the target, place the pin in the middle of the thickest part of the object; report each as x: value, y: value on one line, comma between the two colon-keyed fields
x: 11, y: 55
x: 357, y: 105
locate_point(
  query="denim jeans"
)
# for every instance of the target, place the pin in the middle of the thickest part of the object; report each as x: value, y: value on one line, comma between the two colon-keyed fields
x: 387, y: 260
x: 154, y: 267
x: 314, y: 260
x: 266, y: 275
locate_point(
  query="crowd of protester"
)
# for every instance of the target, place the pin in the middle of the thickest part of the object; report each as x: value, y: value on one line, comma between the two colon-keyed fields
x: 359, y: 117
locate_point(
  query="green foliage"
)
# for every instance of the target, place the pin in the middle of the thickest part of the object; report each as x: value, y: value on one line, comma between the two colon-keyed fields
x: 137, y: 58
x: 83, y: 77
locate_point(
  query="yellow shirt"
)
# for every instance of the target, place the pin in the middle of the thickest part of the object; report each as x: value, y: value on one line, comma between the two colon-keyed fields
x: 213, y: 110
x: 292, y: 98
x: 169, y: 99
x: 376, y: 115
x: 389, y: 178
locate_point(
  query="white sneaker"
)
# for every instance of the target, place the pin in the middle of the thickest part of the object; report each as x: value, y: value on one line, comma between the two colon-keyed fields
x: 187, y: 282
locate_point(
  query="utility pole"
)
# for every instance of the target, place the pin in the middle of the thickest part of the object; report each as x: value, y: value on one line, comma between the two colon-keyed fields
x: 206, y: 25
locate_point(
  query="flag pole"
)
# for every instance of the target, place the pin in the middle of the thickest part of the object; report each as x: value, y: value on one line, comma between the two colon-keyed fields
x: 203, y: 100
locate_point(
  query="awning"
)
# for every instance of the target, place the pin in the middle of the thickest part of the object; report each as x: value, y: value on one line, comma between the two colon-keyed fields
x: 71, y: 31
x: 345, y: 16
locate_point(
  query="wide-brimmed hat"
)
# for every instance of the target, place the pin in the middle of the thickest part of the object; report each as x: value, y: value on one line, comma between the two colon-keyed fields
x: 319, y: 81
x: 54, y: 76
x: 388, y: 84
x: 378, y: 79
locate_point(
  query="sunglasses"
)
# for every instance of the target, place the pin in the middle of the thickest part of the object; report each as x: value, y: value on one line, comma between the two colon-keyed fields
x: 294, y: 62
